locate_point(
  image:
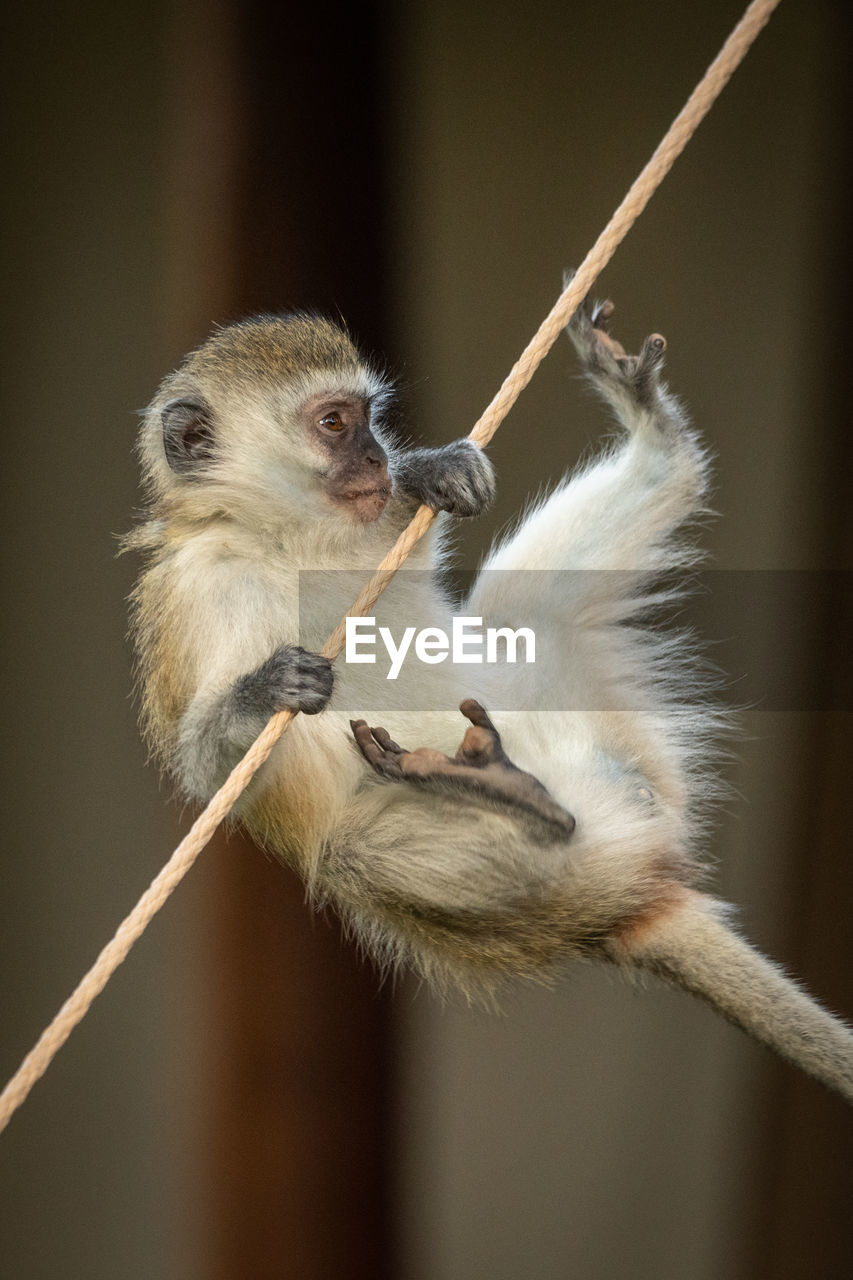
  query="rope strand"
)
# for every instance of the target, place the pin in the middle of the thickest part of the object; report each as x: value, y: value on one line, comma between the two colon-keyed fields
x: 673, y: 143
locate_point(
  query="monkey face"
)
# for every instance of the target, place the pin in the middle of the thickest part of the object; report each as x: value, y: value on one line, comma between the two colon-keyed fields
x: 355, y: 477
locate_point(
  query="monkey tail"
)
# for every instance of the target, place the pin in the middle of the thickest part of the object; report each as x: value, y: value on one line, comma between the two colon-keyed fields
x: 690, y: 944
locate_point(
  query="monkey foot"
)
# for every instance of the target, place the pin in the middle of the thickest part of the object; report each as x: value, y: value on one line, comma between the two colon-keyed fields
x: 481, y: 769
x: 603, y: 356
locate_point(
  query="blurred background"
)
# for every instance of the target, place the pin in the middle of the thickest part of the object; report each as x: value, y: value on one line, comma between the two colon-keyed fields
x: 245, y: 1101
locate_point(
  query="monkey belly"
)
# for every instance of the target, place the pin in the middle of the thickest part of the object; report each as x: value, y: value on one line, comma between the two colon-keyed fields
x: 463, y: 896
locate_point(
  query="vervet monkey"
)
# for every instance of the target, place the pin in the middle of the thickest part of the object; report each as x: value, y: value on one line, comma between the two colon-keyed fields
x: 566, y: 827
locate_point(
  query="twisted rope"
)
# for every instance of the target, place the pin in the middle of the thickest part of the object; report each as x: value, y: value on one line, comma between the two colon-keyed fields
x: 642, y: 190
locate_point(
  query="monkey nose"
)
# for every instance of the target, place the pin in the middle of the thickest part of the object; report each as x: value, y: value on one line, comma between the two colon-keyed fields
x: 378, y: 467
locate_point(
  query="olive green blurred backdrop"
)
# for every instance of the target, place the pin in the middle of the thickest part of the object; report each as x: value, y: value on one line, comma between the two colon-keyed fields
x: 593, y: 1131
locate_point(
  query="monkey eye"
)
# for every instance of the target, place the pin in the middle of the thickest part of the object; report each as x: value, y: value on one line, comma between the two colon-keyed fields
x: 332, y: 422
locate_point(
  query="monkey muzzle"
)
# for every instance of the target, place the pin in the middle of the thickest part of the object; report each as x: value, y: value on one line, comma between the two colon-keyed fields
x: 363, y: 503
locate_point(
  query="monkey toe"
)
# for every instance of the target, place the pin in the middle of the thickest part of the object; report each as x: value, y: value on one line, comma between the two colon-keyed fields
x: 602, y: 313
x: 641, y: 372
x: 652, y: 352
x: 589, y: 329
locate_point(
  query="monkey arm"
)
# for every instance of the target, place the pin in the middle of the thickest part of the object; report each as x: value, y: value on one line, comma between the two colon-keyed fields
x: 457, y: 478
x: 218, y: 728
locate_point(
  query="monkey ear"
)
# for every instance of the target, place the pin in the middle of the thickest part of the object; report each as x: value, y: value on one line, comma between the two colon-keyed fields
x: 187, y: 433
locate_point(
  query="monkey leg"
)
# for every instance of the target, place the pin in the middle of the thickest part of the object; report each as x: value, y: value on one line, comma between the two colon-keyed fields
x: 621, y: 511
x: 480, y: 771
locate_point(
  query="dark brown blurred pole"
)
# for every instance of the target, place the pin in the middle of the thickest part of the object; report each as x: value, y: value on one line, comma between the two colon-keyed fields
x: 312, y: 199
x: 297, y: 1168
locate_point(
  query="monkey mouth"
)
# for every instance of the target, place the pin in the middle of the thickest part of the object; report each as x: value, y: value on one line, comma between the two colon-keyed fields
x: 364, y: 505
x: 381, y: 491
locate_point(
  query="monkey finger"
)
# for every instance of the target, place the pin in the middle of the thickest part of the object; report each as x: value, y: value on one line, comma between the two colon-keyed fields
x: 364, y: 739
x: 386, y: 741
x: 472, y: 710
x: 385, y: 763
